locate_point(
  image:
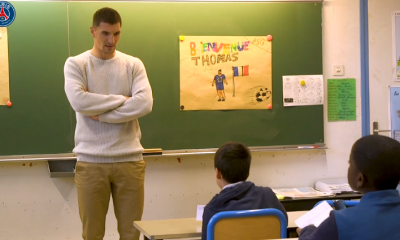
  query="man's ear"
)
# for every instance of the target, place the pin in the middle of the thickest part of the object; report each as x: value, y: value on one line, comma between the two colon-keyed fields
x: 92, y: 31
x: 361, y: 180
x: 218, y: 174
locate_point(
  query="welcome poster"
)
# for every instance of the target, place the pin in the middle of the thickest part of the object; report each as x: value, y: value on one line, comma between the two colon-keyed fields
x: 225, y: 72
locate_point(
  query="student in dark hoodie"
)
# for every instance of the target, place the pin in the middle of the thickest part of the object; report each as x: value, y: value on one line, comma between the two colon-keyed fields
x: 374, y: 169
x: 232, y: 167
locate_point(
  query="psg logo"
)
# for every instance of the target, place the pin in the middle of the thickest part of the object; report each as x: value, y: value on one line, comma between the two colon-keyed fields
x: 7, y: 13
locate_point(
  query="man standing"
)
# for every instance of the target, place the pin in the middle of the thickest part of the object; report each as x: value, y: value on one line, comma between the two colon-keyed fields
x: 109, y: 91
x: 219, y: 81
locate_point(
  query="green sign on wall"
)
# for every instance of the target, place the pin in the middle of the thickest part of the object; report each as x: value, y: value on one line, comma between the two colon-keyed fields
x: 342, y: 99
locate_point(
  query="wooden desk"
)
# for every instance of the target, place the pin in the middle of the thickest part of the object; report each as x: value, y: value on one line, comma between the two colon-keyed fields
x: 305, y: 204
x: 185, y: 227
x: 286, y: 238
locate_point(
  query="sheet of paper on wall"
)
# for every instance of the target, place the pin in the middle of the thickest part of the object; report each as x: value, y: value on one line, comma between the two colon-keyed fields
x: 4, y: 70
x: 342, y: 99
x: 396, y: 135
x: 199, y: 212
x: 315, y: 216
x: 303, y: 90
x: 396, y: 43
x: 395, y: 111
x: 225, y: 72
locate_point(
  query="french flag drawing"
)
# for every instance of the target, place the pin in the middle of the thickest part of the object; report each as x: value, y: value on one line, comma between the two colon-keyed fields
x: 241, y: 71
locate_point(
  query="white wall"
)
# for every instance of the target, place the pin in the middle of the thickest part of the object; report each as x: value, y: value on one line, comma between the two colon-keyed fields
x: 35, y: 207
x: 341, y: 45
x: 381, y: 65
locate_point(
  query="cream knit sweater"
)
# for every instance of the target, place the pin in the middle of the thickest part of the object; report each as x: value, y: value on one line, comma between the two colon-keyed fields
x: 97, y: 87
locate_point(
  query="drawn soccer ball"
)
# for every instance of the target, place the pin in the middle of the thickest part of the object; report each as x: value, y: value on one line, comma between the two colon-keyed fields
x: 263, y: 94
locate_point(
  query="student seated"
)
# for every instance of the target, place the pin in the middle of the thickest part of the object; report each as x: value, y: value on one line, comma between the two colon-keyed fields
x: 374, y: 170
x: 232, y: 167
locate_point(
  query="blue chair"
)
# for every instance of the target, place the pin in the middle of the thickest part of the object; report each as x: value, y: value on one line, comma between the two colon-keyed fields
x: 348, y: 203
x: 267, y: 223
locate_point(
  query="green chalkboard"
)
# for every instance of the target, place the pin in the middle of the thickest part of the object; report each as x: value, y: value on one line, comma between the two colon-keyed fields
x: 41, y: 120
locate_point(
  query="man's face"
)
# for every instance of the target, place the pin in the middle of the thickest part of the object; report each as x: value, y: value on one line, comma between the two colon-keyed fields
x: 219, y: 73
x: 106, y: 37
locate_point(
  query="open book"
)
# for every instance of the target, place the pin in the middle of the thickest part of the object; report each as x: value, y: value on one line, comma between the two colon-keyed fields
x: 302, y: 192
x: 315, y: 216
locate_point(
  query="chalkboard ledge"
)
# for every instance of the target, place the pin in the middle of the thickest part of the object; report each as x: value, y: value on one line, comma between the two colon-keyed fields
x: 313, y: 147
x: 167, y: 153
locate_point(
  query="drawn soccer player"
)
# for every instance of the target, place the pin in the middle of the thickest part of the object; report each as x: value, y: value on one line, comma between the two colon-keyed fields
x: 219, y: 81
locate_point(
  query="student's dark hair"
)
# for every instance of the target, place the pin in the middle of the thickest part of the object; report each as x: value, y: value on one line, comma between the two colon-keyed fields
x: 219, y: 70
x: 378, y: 158
x: 106, y: 15
x: 233, y: 160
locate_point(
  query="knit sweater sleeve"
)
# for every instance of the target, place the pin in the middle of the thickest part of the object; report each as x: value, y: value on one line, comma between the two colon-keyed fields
x: 83, y: 102
x: 139, y: 104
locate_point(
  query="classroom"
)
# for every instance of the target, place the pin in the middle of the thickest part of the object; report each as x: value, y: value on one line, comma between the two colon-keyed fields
x: 35, y: 206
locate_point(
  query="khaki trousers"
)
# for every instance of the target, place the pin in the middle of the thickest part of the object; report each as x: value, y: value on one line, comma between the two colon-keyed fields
x: 96, y: 182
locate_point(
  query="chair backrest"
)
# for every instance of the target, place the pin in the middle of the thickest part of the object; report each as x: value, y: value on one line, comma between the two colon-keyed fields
x: 348, y: 203
x: 256, y: 224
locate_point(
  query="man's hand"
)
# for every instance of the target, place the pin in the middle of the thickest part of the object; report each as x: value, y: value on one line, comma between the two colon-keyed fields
x: 96, y: 118
x: 298, y: 230
x: 127, y: 98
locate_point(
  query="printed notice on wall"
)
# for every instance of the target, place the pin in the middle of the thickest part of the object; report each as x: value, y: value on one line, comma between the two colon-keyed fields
x: 395, y: 112
x: 4, y: 72
x: 342, y: 99
x: 396, y: 43
x: 303, y: 90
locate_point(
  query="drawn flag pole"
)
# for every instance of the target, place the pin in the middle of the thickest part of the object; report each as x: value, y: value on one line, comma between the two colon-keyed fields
x: 239, y: 72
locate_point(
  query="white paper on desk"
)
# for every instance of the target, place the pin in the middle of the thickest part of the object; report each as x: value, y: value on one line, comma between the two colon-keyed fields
x: 199, y: 214
x: 315, y: 216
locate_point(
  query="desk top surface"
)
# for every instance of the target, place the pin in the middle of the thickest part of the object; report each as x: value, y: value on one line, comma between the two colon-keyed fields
x: 344, y: 196
x: 186, y: 227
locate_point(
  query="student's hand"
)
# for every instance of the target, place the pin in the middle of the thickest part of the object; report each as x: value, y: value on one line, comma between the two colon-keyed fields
x: 96, y: 118
x: 127, y: 98
x: 298, y: 230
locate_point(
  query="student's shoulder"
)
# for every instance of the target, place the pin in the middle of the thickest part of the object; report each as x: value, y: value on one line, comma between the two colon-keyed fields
x: 267, y: 190
x: 214, y: 204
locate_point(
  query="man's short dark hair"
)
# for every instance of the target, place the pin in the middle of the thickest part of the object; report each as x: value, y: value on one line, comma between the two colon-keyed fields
x: 106, y: 15
x: 378, y: 158
x: 233, y: 160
